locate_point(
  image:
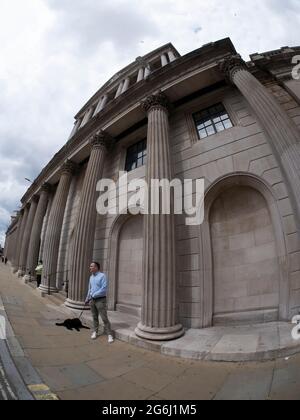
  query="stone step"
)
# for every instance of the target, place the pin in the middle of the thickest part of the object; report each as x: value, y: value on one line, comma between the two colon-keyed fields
x: 129, y: 309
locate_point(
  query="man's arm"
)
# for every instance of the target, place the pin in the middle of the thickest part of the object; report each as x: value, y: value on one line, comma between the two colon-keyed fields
x: 88, y: 297
x: 101, y: 287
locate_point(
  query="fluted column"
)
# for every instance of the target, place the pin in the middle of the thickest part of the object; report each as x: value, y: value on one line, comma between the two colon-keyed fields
x: 101, y: 104
x: 75, y: 128
x: 26, y: 236
x: 53, y: 232
x: 147, y: 71
x: 159, y: 318
x: 119, y: 91
x: 23, y: 220
x: 164, y: 60
x: 172, y: 56
x: 282, y: 133
x: 126, y: 84
x: 84, y: 234
x: 140, y: 76
x: 14, y: 258
x: 35, y: 238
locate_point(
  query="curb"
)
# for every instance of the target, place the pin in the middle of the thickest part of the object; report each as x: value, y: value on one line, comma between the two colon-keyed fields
x: 20, y: 373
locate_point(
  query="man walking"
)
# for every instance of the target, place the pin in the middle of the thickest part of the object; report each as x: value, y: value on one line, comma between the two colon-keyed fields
x: 97, y: 299
x: 39, y: 272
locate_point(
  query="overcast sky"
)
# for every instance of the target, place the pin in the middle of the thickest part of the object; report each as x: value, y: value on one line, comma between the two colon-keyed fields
x: 56, y: 53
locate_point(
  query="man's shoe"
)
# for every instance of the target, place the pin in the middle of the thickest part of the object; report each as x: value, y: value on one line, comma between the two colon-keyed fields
x: 94, y: 336
x: 110, y: 339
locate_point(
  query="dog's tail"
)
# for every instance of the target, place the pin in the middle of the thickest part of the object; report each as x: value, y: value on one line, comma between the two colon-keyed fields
x: 60, y: 325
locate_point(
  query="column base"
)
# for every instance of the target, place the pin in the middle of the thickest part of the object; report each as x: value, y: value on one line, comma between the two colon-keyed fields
x: 27, y: 278
x: 21, y: 273
x: 46, y: 290
x: 15, y: 270
x: 159, y: 334
x: 73, y: 304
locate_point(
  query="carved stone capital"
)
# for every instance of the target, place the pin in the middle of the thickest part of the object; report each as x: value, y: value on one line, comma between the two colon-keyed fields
x: 153, y: 101
x: 68, y: 167
x: 101, y: 140
x: 35, y: 198
x: 230, y: 65
x: 46, y: 188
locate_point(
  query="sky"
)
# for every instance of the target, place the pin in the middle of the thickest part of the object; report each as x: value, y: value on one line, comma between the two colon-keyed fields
x: 55, y: 54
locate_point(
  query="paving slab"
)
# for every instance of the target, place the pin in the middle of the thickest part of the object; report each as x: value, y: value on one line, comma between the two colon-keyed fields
x: 75, y: 367
x: 247, y: 385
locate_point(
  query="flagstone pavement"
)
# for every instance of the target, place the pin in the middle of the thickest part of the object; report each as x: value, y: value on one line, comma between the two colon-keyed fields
x: 58, y: 363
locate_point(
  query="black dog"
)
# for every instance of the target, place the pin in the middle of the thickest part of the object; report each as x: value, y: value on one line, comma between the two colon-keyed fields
x: 73, y: 323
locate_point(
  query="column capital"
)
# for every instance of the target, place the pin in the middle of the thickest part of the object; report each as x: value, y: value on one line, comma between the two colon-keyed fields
x: 230, y: 65
x: 101, y: 140
x: 46, y: 187
x: 68, y: 167
x: 157, y: 100
x: 34, y: 198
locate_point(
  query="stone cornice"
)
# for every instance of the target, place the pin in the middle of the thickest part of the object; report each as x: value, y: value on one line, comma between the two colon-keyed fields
x: 211, y: 53
x: 278, y: 63
x: 122, y: 74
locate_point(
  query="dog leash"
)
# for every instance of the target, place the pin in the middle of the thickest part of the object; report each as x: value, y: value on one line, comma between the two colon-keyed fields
x: 82, y: 311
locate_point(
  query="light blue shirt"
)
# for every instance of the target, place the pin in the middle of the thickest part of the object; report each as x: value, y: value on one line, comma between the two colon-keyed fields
x: 97, y: 286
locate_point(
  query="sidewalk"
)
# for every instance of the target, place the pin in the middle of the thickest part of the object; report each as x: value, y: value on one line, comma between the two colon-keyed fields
x: 74, y: 367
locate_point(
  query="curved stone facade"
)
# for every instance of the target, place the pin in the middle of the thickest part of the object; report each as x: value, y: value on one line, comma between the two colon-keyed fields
x: 207, y: 115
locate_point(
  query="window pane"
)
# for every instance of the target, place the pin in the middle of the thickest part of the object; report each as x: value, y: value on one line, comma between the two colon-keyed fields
x: 219, y: 127
x: 227, y: 124
x: 136, y: 155
x: 210, y: 130
x: 212, y: 120
x: 202, y: 134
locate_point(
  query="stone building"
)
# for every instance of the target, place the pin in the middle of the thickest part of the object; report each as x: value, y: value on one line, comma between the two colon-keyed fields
x: 207, y: 114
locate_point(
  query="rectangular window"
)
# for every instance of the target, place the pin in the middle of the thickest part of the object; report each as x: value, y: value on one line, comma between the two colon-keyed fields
x: 136, y: 156
x: 212, y: 120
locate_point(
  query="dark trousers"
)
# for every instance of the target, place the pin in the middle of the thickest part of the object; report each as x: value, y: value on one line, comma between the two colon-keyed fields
x: 38, y: 280
x: 99, y: 307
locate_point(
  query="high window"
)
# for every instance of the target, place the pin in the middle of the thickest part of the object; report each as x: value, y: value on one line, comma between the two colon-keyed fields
x: 136, y: 156
x: 212, y: 120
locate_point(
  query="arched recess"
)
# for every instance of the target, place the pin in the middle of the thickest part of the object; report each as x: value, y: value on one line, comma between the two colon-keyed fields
x: 216, y: 190
x: 126, y: 264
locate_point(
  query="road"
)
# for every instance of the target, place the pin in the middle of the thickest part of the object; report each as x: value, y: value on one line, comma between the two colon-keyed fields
x: 6, y: 390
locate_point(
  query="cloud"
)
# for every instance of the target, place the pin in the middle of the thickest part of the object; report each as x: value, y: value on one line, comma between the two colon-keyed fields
x: 88, y: 24
x: 55, y: 54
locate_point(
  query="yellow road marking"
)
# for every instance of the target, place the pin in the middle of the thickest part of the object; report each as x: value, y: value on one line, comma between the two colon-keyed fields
x: 42, y: 392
